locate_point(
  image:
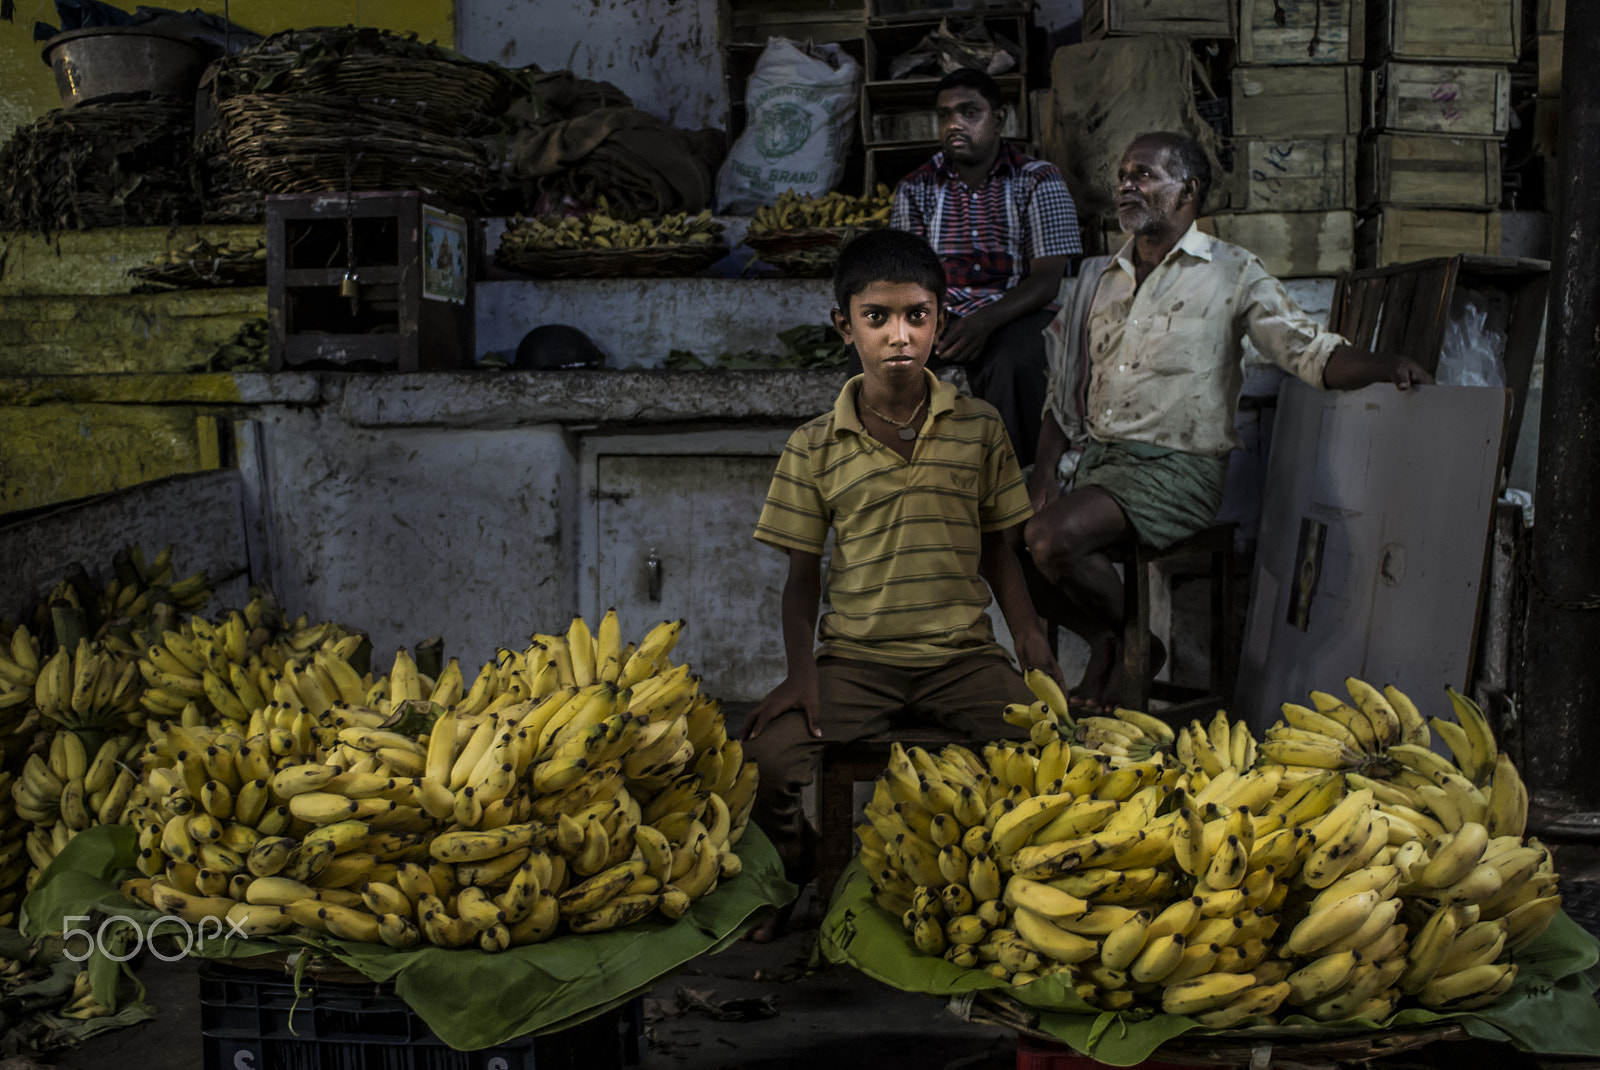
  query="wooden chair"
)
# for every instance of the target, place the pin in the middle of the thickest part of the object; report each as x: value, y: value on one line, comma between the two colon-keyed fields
x: 1217, y: 542
x: 843, y: 766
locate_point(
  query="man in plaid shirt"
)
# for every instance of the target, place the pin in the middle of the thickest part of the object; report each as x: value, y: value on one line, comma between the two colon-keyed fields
x: 1004, y: 225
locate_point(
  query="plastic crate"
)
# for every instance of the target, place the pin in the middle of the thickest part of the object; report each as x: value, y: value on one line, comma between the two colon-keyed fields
x: 246, y: 1018
x: 1045, y: 1055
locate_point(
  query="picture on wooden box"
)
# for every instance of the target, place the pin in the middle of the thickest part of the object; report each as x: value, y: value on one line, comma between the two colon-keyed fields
x: 444, y: 244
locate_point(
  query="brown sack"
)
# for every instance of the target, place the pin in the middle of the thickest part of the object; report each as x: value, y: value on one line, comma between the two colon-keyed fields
x: 1108, y: 92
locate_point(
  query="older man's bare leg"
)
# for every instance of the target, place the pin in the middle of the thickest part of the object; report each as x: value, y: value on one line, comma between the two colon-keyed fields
x: 1067, y: 540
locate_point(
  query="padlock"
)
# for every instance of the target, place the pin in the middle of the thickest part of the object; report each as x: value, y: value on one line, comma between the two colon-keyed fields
x: 350, y: 288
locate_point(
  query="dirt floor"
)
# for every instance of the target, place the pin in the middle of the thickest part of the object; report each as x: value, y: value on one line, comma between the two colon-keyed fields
x: 779, y: 1016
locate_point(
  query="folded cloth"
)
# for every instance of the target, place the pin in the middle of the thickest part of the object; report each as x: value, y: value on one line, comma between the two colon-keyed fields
x: 640, y: 164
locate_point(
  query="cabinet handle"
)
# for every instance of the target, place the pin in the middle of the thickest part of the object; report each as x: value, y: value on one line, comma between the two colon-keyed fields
x: 652, y: 566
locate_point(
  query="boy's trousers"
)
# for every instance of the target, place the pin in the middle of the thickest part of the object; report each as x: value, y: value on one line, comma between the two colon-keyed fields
x: 861, y: 698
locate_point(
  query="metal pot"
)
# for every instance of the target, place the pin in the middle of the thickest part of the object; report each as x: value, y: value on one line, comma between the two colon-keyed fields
x: 121, y: 61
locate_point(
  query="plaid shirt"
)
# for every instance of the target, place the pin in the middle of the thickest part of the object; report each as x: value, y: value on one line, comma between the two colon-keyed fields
x: 988, y: 237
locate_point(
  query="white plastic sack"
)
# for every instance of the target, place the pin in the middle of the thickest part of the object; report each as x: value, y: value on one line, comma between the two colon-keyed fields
x: 801, y: 105
x: 1472, y: 351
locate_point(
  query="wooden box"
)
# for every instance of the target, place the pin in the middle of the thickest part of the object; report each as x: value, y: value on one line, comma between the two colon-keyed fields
x: 1299, y: 175
x: 1550, y: 46
x: 1313, y: 31
x: 1546, y: 126
x: 1436, y: 98
x: 412, y: 259
x: 1552, y: 16
x: 1398, y: 235
x: 1473, y: 31
x: 1177, y: 18
x: 1405, y: 308
x: 1296, y: 102
x: 1291, y: 244
x: 1432, y: 172
x: 901, y: 113
x: 888, y: 42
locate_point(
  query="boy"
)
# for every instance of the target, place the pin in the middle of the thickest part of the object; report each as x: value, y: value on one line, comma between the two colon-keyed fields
x: 926, y: 502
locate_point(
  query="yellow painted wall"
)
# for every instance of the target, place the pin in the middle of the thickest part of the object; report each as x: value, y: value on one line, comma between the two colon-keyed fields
x: 28, y: 90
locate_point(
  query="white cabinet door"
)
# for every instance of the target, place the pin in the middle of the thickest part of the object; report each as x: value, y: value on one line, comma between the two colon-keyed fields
x: 671, y: 537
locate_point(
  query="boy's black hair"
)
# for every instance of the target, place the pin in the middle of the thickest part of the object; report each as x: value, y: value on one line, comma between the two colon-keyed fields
x: 972, y: 78
x: 886, y: 256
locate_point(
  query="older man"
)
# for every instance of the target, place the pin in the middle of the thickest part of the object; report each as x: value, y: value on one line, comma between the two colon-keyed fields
x: 1004, y: 227
x: 1161, y: 345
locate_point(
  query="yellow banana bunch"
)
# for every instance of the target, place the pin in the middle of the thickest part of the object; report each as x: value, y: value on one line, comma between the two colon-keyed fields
x: 578, y: 782
x: 600, y: 230
x: 793, y: 211
x: 1335, y: 869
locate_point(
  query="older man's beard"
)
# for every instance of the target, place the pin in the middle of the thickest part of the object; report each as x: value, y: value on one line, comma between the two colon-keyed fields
x: 1139, y: 221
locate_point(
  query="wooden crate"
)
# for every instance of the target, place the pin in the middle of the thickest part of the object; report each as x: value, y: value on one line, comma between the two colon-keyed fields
x: 1337, y: 26
x: 1178, y: 18
x: 887, y: 42
x: 1546, y: 126
x: 1414, y: 170
x: 1404, y: 310
x: 1294, y: 175
x: 1399, y: 235
x: 1552, y: 16
x: 413, y: 257
x: 1474, y: 31
x: 1550, y: 46
x: 901, y: 113
x: 1296, y: 102
x: 1291, y: 244
x: 1436, y: 98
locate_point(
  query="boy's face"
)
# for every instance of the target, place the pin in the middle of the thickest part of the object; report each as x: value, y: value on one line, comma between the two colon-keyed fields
x: 893, y: 326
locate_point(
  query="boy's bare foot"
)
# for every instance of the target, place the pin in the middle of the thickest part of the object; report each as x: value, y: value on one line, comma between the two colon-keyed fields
x: 774, y: 926
x: 799, y: 867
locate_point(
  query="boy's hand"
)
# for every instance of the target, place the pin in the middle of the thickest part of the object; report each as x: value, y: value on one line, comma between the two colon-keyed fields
x: 1043, y: 487
x: 1033, y: 652
x: 793, y: 694
x: 964, y: 339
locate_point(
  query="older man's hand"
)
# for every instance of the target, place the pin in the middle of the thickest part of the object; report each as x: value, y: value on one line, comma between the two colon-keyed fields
x: 1408, y: 373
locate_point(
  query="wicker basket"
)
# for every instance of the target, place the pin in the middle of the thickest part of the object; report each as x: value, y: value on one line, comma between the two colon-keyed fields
x: 809, y: 253
x: 649, y: 261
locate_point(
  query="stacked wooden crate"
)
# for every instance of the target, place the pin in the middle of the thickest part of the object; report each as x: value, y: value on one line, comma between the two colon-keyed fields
x: 1438, y: 94
x: 1296, y: 111
x: 1547, y: 109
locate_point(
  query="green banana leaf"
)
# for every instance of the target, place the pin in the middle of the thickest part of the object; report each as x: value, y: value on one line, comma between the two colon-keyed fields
x: 471, y: 999
x: 1551, y: 1009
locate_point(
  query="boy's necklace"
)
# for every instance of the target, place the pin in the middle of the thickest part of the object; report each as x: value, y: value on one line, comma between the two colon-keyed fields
x: 907, y: 432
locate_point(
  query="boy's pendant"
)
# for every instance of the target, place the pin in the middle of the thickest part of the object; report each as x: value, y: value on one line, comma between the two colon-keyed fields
x: 908, y: 433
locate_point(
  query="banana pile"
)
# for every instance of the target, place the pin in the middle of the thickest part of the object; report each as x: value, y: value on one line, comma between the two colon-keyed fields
x: 600, y: 230
x: 795, y: 212
x: 1197, y: 871
x: 68, y: 792
x: 578, y: 782
x: 90, y: 687
x: 248, y: 659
